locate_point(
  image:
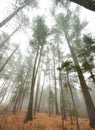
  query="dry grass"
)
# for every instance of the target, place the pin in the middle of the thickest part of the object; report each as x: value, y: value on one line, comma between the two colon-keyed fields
x: 41, y: 122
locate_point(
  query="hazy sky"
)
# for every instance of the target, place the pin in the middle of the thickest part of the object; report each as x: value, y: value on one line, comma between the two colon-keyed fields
x: 6, y: 9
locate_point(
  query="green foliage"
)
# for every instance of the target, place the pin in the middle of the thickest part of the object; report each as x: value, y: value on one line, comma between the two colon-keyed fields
x: 59, y: 69
x: 63, y: 21
x: 66, y: 64
x: 88, y: 40
x: 65, y: 85
x: 87, y: 66
x: 89, y: 44
x: 40, y: 32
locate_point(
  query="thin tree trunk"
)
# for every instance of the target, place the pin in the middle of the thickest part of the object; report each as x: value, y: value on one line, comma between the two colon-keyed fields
x: 3, y: 43
x: 49, y: 103
x: 29, y: 115
x: 12, y: 15
x: 3, y: 85
x: 22, y: 99
x: 37, y: 90
x: 10, y: 101
x: 39, y: 104
x: 63, y: 114
x: 62, y: 96
x: 8, y: 59
x: 17, y: 99
x: 70, y: 113
x: 5, y: 92
x: 77, y: 122
x: 25, y: 84
x: 56, y: 102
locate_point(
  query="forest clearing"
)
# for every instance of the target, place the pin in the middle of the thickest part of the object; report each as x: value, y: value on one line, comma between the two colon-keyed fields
x: 47, y: 65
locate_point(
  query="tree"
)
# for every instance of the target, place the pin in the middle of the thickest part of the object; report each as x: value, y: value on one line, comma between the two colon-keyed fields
x: 40, y: 35
x: 7, y: 19
x: 67, y: 65
x: 55, y: 84
x: 64, y: 23
x: 2, y: 67
x: 37, y: 91
x: 2, y: 44
x: 85, y: 53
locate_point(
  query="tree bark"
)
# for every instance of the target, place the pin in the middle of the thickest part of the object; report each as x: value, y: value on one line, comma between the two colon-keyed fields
x: 89, y: 4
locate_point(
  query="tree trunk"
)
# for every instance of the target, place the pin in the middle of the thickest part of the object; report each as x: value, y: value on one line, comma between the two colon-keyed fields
x: 8, y: 59
x: 5, y: 91
x: 29, y: 115
x: 2, y: 86
x: 12, y: 15
x: 3, y: 43
x: 70, y: 113
x: 37, y: 90
x: 49, y: 103
x: 62, y: 97
x: 56, y: 102
x: 15, y: 108
x: 89, y: 104
x: 77, y: 122
x: 39, y: 104
x: 89, y: 4
x: 25, y: 84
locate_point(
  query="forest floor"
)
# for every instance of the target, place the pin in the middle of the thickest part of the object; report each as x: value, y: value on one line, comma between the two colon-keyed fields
x: 41, y: 121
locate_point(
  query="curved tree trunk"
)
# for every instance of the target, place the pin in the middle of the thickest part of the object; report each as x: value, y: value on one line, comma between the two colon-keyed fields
x: 89, y: 4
